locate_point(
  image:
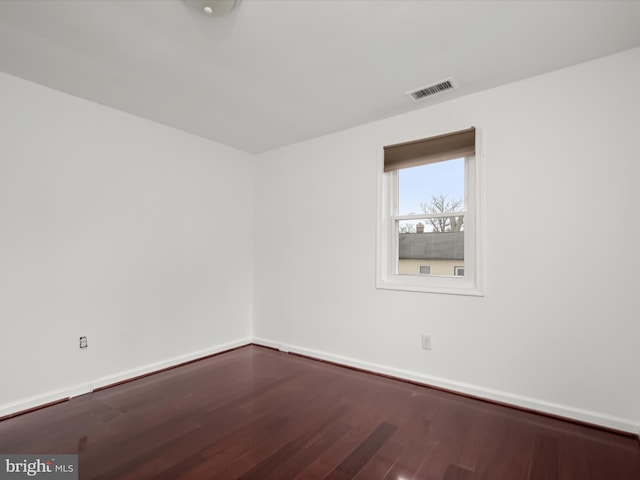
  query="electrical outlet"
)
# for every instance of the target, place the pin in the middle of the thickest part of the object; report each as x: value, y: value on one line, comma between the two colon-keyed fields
x: 83, y: 342
x: 426, y: 342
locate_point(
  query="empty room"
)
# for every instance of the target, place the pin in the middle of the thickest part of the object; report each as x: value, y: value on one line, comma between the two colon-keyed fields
x: 308, y: 239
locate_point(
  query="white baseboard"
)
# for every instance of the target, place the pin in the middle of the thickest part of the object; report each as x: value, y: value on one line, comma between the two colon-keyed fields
x: 33, y: 402
x: 271, y: 344
x: 57, y: 395
x: 154, y: 367
x: 595, y: 418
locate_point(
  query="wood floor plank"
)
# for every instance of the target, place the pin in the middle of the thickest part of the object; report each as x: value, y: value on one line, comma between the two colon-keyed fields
x: 271, y: 463
x: 324, y: 465
x: 544, y: 464
x: 382, y: 462
x: 456, y: 472
x: 351, y: 465
x: 414, y: 436
x: 297, y: 463
x: 255, y: 413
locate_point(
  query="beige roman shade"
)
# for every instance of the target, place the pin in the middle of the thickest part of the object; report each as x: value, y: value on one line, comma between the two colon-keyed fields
x: 430, y: 150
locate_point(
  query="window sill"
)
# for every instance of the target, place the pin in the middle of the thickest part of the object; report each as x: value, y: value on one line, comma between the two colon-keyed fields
x: 448, y: 287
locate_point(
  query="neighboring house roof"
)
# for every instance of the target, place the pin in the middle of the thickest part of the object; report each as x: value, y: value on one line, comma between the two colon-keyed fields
x: 432, y: 246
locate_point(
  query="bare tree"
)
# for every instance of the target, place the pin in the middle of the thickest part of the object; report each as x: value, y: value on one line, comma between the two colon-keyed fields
x: 407, y: 228
x: 440, y: 204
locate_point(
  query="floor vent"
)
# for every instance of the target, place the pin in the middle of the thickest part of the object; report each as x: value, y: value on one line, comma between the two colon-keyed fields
x: 434, y: 89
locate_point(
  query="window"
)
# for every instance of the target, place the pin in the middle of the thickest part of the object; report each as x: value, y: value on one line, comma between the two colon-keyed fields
x: 429, y: 222
x: 425, y: 269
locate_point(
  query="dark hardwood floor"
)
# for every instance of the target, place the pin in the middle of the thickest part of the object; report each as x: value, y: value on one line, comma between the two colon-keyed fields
x: 254, y: 413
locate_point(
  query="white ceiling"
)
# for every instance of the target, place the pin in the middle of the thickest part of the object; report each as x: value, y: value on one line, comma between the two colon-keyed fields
x: 273, y: 73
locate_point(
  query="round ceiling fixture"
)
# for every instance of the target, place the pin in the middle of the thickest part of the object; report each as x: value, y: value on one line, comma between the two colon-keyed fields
x: 212, y: 8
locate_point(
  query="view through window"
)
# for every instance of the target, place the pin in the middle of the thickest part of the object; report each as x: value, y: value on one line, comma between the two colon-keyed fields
x: 430, y: 219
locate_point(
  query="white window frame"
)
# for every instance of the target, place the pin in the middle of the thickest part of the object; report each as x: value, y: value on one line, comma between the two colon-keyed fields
x: 472, y: 283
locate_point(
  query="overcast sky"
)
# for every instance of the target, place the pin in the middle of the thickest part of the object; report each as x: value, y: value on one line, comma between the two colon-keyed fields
x: 418, y: 184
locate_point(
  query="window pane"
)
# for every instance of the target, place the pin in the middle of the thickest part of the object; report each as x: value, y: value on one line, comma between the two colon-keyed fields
x: 419, y: 246
x: 431, y: 188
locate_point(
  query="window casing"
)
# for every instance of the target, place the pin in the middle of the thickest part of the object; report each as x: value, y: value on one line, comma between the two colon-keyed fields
x: 467, y: 280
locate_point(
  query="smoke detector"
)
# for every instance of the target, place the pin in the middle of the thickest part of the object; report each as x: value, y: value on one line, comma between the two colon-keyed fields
x: 433, y: 89
x: 212, y: 8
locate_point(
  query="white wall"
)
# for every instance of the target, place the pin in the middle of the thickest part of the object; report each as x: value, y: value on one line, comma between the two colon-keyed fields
x: 131, y: 233
x: 140, y: 237
x: 557, y: 330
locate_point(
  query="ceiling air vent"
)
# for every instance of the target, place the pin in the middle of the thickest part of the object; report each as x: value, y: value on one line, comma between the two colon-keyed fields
x: 434, y: 89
